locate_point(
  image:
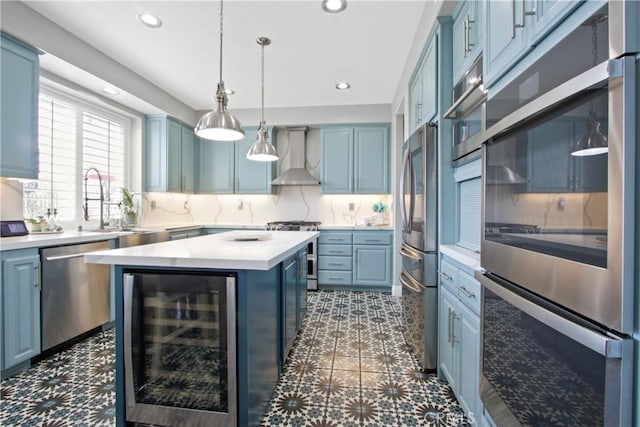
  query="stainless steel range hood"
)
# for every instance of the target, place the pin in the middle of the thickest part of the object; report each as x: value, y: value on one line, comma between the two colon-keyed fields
x: 297, y: 174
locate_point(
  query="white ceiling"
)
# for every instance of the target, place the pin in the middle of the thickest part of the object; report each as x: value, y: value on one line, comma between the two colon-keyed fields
x: 366, y: 45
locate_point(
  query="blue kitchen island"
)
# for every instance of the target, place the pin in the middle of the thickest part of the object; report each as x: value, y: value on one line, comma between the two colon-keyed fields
x: 203, y: 325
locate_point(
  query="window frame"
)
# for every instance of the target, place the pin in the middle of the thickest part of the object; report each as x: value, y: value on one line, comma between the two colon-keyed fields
x: 110, y: 113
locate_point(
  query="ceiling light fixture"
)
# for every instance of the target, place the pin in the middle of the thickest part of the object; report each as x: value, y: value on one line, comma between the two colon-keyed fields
x: 111, y: 90
x: 334, y: 6
x: 220, y: 125
x: 149, y: 20
x: 262, y: 150
x: 343, y: 86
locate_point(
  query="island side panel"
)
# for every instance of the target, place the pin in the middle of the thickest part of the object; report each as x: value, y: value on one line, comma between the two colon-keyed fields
x: 119, y: 314
x: 258, y: 324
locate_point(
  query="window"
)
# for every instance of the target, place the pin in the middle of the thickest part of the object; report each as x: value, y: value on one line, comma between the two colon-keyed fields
x: 77, y: 141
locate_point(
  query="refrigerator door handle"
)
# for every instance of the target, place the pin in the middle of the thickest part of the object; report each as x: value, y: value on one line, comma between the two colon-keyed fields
x: 403, y: 189
x: 410, y: 283
x: 412, y: 199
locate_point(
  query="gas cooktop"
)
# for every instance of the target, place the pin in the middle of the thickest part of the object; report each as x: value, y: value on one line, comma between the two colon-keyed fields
x: 292, y: 226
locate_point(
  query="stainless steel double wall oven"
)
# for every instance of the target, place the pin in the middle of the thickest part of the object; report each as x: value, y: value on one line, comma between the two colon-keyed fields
x: 557, y: 244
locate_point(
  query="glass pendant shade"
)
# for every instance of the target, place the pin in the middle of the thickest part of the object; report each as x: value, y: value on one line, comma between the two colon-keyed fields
x: 219, y: 124
x: 594, y: 142
x: 261, y: 150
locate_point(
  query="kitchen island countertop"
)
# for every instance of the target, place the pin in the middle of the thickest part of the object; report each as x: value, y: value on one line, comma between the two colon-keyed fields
x: 212, y: 252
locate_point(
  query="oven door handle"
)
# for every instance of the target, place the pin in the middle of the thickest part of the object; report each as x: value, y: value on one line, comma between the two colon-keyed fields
x: 128, y: 347
x: 604, y: 345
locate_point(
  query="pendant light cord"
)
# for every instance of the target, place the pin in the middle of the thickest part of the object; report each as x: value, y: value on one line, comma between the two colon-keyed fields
x: 221, y: 7
x: 262, y: 82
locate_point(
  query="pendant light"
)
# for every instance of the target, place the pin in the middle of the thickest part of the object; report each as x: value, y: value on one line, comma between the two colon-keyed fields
x: 219, y: 125
x: 262, y: 150
x: 593, y: 142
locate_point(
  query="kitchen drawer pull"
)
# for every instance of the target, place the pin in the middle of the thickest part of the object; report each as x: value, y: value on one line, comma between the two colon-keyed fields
x: 337, y: 279
x: 372, y: 240
x: 444, y: 275
x: 335, y: 252
x: 336, y: 263
x: 465, y: 291
x: 334, y: 239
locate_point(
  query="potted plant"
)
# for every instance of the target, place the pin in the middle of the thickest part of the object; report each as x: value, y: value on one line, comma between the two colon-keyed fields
x: 380, y: 213
x: 129, y: 207
x: 36, y: 224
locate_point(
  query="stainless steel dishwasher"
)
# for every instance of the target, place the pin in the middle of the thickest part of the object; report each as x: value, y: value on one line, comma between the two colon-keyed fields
x: 75, y: 296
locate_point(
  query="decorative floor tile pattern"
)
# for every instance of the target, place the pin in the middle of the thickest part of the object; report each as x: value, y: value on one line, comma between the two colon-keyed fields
x: 71, y: 388
x: 351, y: 366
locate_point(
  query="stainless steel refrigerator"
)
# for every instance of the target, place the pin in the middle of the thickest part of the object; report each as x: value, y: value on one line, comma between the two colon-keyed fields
x: 419, y: 210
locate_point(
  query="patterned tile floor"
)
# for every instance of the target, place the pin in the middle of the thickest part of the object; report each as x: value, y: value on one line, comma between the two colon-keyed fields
x: 71, y: 388
x: 350, y: 366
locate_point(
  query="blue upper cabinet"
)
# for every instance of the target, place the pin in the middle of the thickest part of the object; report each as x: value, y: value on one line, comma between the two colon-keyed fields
x: 170, y: 155
x: 217, y: 167
x: 225, y: 169
x: 19, y: 74
x: 468, y: 40
x: 371, y: 160
x: 253, y: 177
x: 514, y: 27
x: 337, y: 161
x: 355, y: 159
x: 423, y: 92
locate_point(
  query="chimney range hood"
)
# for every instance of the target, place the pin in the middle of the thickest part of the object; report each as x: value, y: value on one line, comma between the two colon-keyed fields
x: 296, y: 174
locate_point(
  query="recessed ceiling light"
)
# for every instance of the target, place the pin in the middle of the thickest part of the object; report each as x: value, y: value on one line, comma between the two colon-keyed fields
x: 111, y: 91
x: 229, y: 91
x: 343, y: 86
x: 149, y: 20
x: 334, y: 6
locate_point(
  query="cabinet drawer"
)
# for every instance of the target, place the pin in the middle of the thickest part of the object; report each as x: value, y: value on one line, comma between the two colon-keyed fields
x: 469, y: 291
x: 372, y: 238
x: 334, y: 250
x: 448, y: 275
x: 335, y: 238
x: 334, y: 263
x: 334, y: 277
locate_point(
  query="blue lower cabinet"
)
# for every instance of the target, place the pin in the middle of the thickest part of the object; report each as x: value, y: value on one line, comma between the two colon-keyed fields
x: 372, y: 265
x: 459, y: 336
x: 20, y: 306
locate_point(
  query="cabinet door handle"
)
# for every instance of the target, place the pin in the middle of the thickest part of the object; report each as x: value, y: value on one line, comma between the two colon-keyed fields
x: 467, y: 29
x: 465, y: 34
x: 449, y: 325
x: 453, y: 327
x: 523, y: 13
x: 38, y: 283
x: 465, y: 291
x: 444, y: 275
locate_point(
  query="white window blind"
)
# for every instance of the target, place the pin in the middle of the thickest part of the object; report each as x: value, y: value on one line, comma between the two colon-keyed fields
x: 73, y: 138
x: 469, y: 203
x: 57, y: 178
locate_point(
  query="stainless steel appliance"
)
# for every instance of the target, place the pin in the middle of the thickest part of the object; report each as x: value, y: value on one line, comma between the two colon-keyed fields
x: 312, y: 255
x: 179, y: 348
x: 467, y: 112
x: 557, y: 244
x: 419, y: 210
x: 75, y: 296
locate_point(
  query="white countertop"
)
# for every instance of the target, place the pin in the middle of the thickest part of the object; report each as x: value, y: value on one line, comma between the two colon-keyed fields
x: 65, y: 238
x: 356, y: 227
x: 464, y: 256
x: 212, y: 251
